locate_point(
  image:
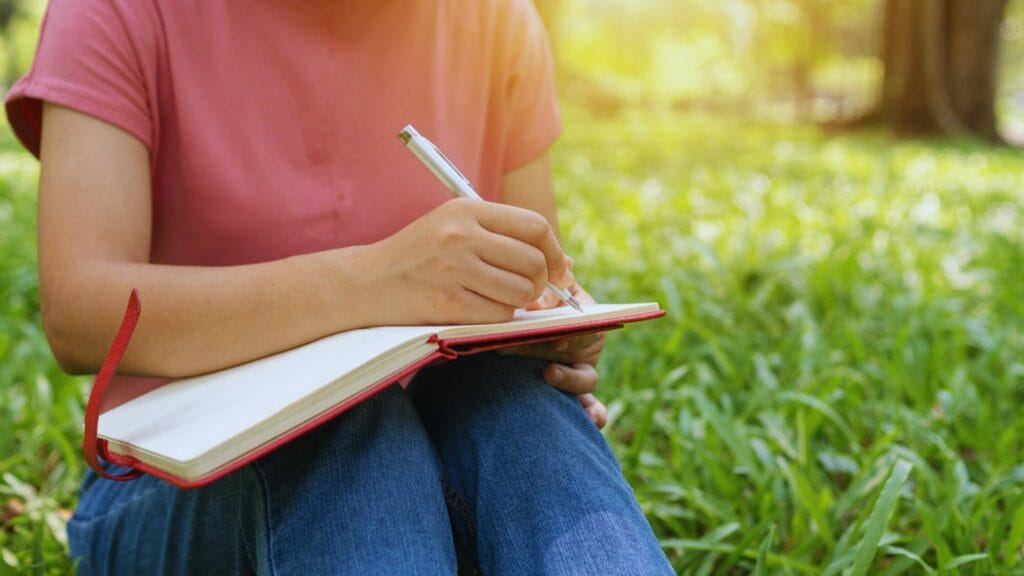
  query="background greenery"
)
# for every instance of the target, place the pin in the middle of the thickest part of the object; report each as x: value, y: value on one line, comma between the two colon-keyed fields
x: 838, y: 384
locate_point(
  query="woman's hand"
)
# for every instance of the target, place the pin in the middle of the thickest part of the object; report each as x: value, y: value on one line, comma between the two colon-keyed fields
x: 466, y: 262
x: 573, y: 360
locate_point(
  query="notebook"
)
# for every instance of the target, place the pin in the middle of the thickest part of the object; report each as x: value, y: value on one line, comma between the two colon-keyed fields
x: 193, y: 431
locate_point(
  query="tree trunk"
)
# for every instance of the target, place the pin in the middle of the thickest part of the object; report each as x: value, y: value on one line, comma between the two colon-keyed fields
x: 972, y: 62
x: 940, y: 59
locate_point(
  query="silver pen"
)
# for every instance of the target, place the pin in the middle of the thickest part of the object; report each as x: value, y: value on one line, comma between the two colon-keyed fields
x: 443, y: 169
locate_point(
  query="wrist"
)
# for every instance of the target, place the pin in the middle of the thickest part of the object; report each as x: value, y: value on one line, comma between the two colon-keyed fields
x: 345, y: 288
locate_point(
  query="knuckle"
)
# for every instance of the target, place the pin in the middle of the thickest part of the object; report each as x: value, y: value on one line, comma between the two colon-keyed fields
x: 505, y: 313
x: 536, y: 264
x: 522, y: 290
x: 462, y: 204
x: 452, y: 232
x: 590, y: 377
x: 535, y: 227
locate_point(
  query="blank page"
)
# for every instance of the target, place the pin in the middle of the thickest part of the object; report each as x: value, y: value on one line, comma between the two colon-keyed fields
x: 187, y: 417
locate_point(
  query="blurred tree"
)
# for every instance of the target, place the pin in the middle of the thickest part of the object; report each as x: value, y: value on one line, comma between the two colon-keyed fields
x: 941, y: 62
x: 9, y: 9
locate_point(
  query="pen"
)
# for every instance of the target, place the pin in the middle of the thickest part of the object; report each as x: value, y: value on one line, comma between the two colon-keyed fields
x: 443, y: 169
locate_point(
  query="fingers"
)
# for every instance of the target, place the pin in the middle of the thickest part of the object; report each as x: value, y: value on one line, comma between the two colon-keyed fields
x: 531, y: 228
x: 517, y: 257
x: 591, y: 346
x: 501, y: 285
x: 468, y: 307
x: 502, y: 255
x: 546, y: 301
x: 579, y: 378
x: 597, y: 411
x: 582, y: 348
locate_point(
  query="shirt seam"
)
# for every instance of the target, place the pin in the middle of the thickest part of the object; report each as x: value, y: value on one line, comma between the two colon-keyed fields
x: 137, y: 124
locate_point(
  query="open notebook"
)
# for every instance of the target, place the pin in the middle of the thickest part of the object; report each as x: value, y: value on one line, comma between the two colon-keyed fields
x: 194, y: 430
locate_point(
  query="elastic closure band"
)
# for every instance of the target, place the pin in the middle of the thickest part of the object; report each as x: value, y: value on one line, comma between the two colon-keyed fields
x: 92, y: 446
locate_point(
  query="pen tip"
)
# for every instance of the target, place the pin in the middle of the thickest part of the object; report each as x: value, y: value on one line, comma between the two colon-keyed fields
x: 575, y: 304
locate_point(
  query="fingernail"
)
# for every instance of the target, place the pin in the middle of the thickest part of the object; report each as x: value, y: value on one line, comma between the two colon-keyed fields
x: 557, y: 375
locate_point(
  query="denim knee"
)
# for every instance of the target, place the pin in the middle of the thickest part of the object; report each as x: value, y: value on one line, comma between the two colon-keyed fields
x: 496, y: 394
x: 545, y: 491
x: 360, y: 494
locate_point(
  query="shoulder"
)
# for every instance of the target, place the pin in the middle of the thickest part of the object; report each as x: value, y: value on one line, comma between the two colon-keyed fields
x: 507, y: 14
x: 509, y: 24
x: 509, y: 7
x: 104, y: 22
x: 95, y: 56
x: 106, y: 13
x: 516, y: 14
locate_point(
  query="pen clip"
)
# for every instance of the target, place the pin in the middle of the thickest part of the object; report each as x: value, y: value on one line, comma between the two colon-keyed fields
x: 449, y: 163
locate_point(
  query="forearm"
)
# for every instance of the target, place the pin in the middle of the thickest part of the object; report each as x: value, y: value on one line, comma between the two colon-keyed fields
x: 199, y: 319
x: 464, y: 262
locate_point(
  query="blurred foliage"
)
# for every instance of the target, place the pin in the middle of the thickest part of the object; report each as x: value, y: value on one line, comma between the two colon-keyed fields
x: 19, y: 28
x: 779, y: 59
x: 40, y: 406
x: 734, y: 53
x: 839, y: 309
x: 1011, y: 91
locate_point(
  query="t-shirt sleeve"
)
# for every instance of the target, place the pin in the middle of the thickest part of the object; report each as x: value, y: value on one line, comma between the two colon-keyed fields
x: 88, y: 61
x: 533, y: 120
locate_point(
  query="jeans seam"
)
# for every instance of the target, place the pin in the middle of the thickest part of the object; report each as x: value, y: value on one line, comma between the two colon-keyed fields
x: 265, y: 492
x: 458, y: 504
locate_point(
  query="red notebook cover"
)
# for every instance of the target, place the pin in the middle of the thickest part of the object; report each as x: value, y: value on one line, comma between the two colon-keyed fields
x: 448, y: 349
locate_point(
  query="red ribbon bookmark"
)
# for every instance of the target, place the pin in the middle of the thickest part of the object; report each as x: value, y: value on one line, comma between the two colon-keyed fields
x: 91, y: 445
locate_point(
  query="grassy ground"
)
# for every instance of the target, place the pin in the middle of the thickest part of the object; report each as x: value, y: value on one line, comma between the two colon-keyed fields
x: 836, y: 388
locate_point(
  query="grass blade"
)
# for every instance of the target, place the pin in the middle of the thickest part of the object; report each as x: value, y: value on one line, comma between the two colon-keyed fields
x: 898, y: 551
x: 880, y: 515
x: 959, y: 561
x: 762, y: 556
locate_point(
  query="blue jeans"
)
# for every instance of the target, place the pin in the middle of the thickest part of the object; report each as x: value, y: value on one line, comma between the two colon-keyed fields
x: 480, y: 466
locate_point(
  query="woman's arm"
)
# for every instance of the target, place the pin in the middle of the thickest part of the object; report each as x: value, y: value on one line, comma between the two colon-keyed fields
x: 462, y: 262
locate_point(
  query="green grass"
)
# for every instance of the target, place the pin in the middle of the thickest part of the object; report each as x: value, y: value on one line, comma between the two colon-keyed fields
x: 837, y: 387
x: 40, y: 407
x: 843, y: 312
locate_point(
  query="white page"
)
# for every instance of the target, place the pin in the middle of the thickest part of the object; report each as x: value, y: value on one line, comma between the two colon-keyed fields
x: 185, y: 418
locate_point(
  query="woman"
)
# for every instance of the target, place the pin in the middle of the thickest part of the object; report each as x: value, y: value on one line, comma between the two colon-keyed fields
x: 236, y: 162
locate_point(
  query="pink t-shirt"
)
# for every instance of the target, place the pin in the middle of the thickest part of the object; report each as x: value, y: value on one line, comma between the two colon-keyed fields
x: 271, y: 124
